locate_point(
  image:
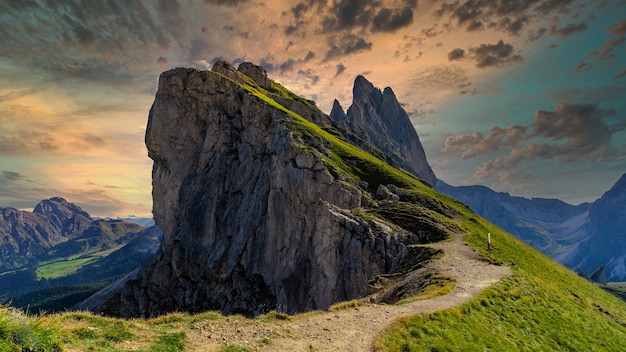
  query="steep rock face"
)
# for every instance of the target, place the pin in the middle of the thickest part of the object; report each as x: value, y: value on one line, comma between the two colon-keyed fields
x: 253, y: 220
x: 376, y: 120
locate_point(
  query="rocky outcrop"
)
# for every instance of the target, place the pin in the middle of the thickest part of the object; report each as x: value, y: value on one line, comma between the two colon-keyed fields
x: 376, y: 122
x: 253, y: 219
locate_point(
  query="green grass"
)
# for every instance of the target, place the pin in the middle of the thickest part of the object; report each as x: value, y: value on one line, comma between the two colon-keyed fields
x: 61, y: 268
x: 616, y: 288
x: 19, y: 332
x: 85, y: 331
x: 543, y: 307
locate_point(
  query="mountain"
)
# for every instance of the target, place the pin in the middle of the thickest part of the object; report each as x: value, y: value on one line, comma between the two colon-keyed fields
x: 377, y: 123
x: 604, y: 239
x: 264, y: 208
x: 56, y: 255
x: 25, y: 236
x: 146, y: 222
x: 585, y: 237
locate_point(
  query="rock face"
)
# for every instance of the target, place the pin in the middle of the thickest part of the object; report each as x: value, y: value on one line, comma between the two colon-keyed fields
x: 253, y: 220
x: 377, y: 119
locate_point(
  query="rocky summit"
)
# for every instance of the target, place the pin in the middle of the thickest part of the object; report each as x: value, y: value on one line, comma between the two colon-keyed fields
x: 264, y: 205
x: 377, y: 123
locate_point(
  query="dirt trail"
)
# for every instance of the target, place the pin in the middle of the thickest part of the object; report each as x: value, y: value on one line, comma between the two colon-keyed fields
x: 350, y: 329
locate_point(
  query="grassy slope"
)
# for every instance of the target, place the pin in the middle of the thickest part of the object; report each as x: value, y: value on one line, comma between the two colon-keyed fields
x: 544, y: 306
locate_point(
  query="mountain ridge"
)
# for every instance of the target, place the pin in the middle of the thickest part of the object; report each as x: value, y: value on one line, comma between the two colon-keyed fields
x: 582, y: 237
x: 57, y: 253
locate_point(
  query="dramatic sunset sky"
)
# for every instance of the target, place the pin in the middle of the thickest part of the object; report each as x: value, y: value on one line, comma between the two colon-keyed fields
x: 526, y: 97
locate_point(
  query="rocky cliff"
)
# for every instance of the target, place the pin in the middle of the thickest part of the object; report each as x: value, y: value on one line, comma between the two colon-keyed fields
x: 261, y: 208
x: 376, y: 122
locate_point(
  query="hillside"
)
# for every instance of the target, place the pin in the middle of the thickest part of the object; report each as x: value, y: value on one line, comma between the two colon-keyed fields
x: 541, y: 306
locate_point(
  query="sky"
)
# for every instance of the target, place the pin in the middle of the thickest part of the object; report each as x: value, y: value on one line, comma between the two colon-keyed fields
x: 525, y: 97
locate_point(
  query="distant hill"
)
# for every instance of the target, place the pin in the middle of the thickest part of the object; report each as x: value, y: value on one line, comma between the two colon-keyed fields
x: 56, y: 255
x: 585, y: 236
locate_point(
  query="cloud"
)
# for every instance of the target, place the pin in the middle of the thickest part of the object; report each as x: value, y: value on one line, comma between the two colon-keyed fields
x: 605, y: 51
x: 513, y: 26
x: 568, y: 29
x: 372, y: 15
x: 346, y: 45
x: 582, y: 66
x: 620, y: 74
x: 456, y: 54
x: 507, y: 16
x: 390, y: 20
x: 536, y: 35
x: 618, y: 28
x: 494, y: 55
x: 230, y: 3
x: 10, y: 176
x: 569, y: 133
x: 310, y: 75
x: 469, y: 145
x: 340, y: 69
x: 580, y: 126
x: 438, y: 78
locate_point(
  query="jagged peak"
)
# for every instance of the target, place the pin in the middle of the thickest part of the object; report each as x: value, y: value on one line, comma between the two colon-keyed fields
x: 365, y: 91
x: 388, y: 92
x: 337, y: 113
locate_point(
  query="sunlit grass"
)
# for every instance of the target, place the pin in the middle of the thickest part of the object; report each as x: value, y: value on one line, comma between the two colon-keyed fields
x: 19, y: 332
x: 61, y: 268
x: 543, y: 307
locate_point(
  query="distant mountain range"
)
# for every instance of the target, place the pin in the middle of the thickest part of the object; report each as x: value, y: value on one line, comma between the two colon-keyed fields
x: 56, y: 255
x: 583, y: 237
